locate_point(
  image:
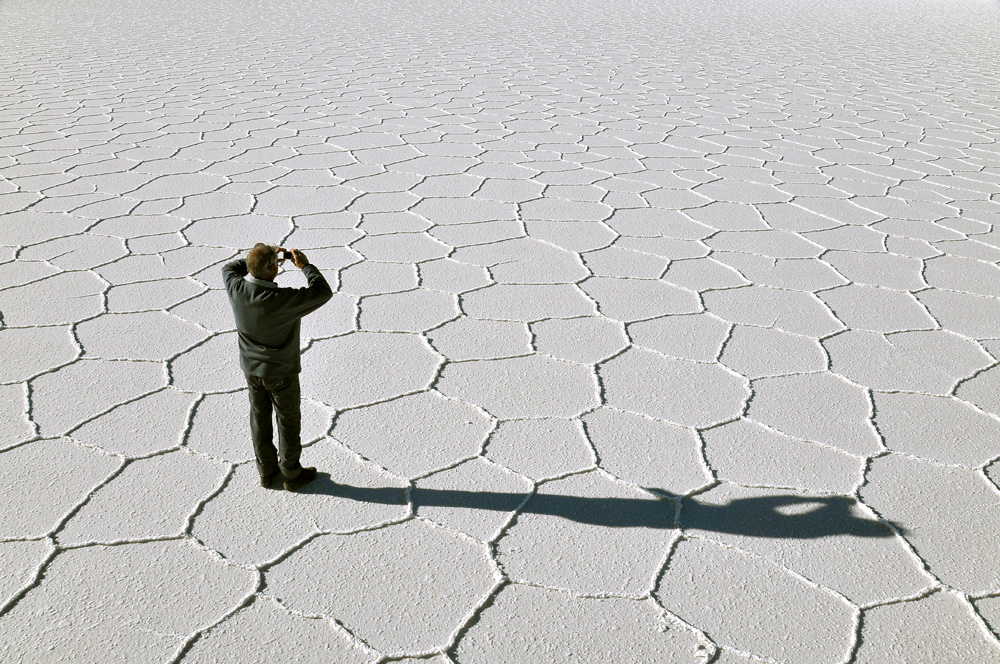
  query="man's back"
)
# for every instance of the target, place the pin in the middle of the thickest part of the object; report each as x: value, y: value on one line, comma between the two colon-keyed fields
x: 268, y: 318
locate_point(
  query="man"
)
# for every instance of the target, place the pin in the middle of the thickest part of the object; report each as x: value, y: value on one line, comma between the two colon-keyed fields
x: 267, y: 320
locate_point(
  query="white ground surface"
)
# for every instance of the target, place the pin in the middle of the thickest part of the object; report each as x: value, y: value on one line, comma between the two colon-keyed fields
x: 665, y: 331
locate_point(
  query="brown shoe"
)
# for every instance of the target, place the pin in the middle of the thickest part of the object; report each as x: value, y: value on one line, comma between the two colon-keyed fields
x: 305, y: 477
x: 267, y: 480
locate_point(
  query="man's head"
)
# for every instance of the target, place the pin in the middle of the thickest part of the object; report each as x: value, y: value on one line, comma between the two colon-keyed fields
x: 262, y: 262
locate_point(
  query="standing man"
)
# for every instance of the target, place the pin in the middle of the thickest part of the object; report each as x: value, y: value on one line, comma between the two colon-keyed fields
x: 267, y: 320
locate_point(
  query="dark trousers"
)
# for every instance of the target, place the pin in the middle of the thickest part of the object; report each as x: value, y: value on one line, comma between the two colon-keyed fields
x: 279, y: 394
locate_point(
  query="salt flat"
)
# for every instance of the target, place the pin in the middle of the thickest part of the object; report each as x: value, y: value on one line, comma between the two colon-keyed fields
x: 663, y: 331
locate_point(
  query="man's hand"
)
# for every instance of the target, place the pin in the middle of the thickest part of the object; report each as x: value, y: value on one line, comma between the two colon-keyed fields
x: 299, y: 259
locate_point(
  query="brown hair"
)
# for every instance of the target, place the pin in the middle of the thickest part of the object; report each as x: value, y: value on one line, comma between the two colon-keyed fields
x: 261, y: 260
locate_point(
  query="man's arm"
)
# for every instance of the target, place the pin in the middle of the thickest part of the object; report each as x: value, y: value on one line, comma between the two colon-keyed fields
x: 316, y: 294
x: 234, y: 271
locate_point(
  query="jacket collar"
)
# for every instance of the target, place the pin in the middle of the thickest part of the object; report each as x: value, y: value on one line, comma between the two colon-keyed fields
x: 261, y: 282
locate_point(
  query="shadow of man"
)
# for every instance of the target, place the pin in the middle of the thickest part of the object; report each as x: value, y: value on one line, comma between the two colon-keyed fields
x: 773, y: 516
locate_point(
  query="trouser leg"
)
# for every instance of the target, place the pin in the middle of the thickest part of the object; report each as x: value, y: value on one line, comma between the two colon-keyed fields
x: 261, y: 430
x: 285, y: 394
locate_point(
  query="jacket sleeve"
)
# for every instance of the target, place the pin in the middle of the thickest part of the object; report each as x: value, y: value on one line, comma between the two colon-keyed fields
x: 234, y: 272
x: 312, y: 297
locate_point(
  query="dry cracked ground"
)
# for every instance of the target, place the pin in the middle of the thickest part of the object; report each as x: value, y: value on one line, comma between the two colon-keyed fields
x: 663, y: 331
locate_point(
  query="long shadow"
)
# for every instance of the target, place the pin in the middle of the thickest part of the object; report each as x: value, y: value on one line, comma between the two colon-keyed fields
x: 777, y: 516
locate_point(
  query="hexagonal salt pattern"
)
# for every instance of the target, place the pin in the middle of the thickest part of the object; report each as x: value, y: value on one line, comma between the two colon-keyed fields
x: 151, y: 595
x: 289, y: 636
x: 532, y: 624
x: 328, y: 575
x: 664, y: 334
x: 813, y: 623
